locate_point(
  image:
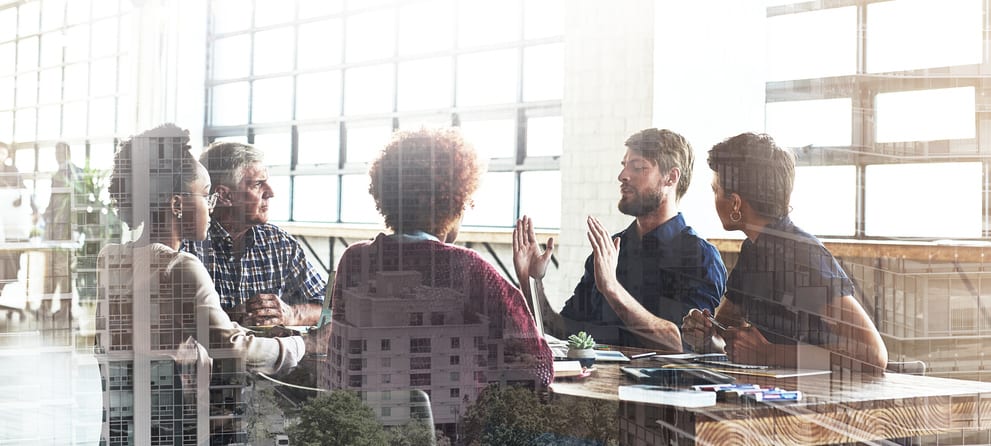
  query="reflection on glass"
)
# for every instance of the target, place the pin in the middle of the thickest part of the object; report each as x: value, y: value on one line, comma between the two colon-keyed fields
x: 487, y: 78
x: 28, y: 18
x: 493, y: 138
x: 812, y: 44
x: 49, y: 88
x: 103, y: 8
x: 425, y: 27
x: 319, y: 146
x: 544, y: 136
x: 7, y: 91
x: 482, y: 22
x: 270, y: 12
x: 425, y: 83
x: 231, y: 57
x: 319, y: 44
x: 8, y: 24
x: 540, y: 197
x: 125, y: 116
x: 276, y: 146
x: 822, y: 122
x: 6, y: 125
x: 24, y: 160
x: 229, y: 105
x: 51, y: 49
x: 493, y: 201
x: 315, y: 198
x: 366, y: 140
x: 76, y: 81
x: 101, y: 117
x: 318, y: 8
x: 52, y: 15
x: 370, y: 35
x: 46, y: 159
x: 27, y: 89
x: 77, y: 11
x: 75, y: 124
x: 77, y: 43
x: 318, y: 95
x: 24, y: 124
x: 27, y: 54
x: 357, y: 205
x: 278, y: 206
x: 104, y: 38
x: 823, y: 199
x: 368, y: 90
x: 543, y: 72
x: 104, y: 77
x: 7, y: 58
x: 49, y: 124
x: 101, y: 156
x: 437, y: 120
x: 229, y: 15
x: 273, y: 52
x: 908, y: 34
x: 543, y: 18
x: 271, y: 100
x: 925, y: 115
x: 951, y: 193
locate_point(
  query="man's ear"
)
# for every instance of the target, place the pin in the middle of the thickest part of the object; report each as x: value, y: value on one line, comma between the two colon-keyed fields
x: 674, y: 175
x: 225, y: 195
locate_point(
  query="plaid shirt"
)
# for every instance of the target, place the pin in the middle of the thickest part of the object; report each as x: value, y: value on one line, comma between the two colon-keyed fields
x: 273, y: 262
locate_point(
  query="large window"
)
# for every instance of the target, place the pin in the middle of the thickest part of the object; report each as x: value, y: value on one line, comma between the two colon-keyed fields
x: 320, y: 86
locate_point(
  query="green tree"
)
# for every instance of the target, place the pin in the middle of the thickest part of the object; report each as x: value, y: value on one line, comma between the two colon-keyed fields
x: 413, y: 433
x: 337, y: 418
x: 507, y: 416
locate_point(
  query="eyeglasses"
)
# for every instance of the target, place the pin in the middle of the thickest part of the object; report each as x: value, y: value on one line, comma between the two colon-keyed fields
x: 211, y: 199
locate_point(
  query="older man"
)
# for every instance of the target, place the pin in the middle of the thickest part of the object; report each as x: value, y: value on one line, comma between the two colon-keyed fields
x: 641, y: 282
x: 259, y: 270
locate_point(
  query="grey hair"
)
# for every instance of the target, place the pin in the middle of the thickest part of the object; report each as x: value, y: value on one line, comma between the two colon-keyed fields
x: 227, y: 160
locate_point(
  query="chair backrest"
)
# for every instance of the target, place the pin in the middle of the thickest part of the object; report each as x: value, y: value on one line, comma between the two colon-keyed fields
x: 916, y: 367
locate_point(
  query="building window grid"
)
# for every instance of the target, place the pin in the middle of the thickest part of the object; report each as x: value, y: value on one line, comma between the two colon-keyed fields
x: 862, y: 88
x: 453, y: 113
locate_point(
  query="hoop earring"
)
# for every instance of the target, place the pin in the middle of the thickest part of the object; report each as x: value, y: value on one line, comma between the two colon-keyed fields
x: 178, y: 215
x: 735, y: 216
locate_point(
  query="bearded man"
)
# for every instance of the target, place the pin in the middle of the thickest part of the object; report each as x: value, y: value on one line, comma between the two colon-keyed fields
x: 639, y: 283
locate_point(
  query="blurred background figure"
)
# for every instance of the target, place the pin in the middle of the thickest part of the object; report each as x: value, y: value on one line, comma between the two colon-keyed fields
x: 15, y: 216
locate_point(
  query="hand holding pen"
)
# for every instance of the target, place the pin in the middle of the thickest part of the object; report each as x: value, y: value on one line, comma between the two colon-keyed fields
x: 698, y: 328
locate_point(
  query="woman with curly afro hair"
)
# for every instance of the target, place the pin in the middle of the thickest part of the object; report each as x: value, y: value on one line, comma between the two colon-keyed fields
x: 415, y: 279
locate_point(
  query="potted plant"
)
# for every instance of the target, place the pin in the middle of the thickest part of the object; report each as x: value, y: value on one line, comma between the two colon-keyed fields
x: 580, y: 347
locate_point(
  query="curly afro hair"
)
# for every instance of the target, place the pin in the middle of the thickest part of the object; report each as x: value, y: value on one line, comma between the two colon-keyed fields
x: 423, y: 180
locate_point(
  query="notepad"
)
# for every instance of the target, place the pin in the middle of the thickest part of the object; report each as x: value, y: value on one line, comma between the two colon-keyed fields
x: 645, y: 393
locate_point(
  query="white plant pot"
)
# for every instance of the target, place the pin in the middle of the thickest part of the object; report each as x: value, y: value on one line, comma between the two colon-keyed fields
x: 585, y: 356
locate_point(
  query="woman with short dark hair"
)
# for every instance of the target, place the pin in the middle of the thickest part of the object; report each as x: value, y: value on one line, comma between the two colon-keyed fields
x: 786, y: 288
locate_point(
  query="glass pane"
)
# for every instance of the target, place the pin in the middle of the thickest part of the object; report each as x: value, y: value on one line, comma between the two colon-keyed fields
x: 104, y: 38
x: 365, y: 141
x: 493, y: 138
x: 6, y: 126
x: 543, y: 72
x: 357, y: 205
x: 101, y: 156
x: 319, y: 146
x: 27, y: 89
x: 318, y: 95
x: 278, y: 206
x: 27, y: 54
x: 540, y: 197
x: 424, y: 84
x: 543, y: 18
x: 437, y: 120
x: 74, y: 127
x: 103, y: 8
x: 270, y: 12
x: 482, y: 22
x: 77, y: 11
x: 276, y: 146
x: 824, y: 199
x: 318, y: 8
x: 925, y: 115
x: 812, y: 44
x: 24, y: 125
x: 101, y: 112
x: 76, y: 81
x: 493, y: 202
x: 7, y: 92
x: 52, y: 14
x: 426, y: 26
x: 271, y: 100
x: 231, y: 57
x: 544, y: 136
x: 51, y: 49
x: 104, y: 75
x: 230, y: 104
x: 487, y: 78
x: 8, y: 24
x: 8, y: 60
x: 824, y: 122
x: 370, y: 35
x: 908, y: 34
x: 273, y: 51
x: 24, y: 160
x: 315, y: 198
x: 77, y: 43
x: 49, y: 122
x: 28, y: 18
x: 125, y: 115
x: 230, y: 15
x: 319, y: 44
x: 893, y: 191
x: 368, y: 90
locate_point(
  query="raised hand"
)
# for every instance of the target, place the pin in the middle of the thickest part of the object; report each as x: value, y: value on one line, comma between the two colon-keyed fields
x: 528, y: 259
x: 605, y: 255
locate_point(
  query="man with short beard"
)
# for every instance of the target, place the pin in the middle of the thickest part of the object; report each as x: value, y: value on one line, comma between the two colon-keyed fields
x: 641, y: 282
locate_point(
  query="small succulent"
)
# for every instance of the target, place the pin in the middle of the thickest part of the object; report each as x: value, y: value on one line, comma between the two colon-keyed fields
x: 581, y: 341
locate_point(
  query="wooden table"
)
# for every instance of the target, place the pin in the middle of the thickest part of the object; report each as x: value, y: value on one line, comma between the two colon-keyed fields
x: 836, y: 409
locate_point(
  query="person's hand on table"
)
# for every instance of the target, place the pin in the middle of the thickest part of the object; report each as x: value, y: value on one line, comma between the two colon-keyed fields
x: 746, y: 345
x: 266, y: 310
x: 697, y: 330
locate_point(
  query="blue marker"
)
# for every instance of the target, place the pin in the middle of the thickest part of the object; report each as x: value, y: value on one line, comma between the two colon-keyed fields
x: 774, y: 395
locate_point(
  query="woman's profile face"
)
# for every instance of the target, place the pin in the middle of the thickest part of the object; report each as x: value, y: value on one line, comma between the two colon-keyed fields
x: 196, y: 208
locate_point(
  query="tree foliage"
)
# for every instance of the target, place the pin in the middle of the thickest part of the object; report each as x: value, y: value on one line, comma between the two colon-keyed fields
x: 337, y: 418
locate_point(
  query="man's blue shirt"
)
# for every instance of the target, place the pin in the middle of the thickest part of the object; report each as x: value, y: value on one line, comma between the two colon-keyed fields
x: 669, y: 271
